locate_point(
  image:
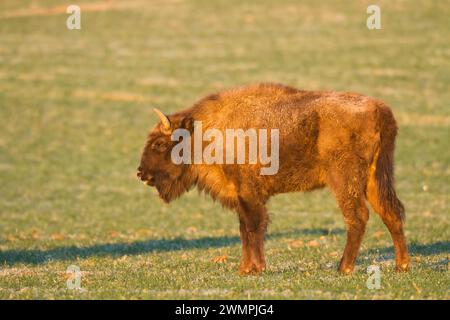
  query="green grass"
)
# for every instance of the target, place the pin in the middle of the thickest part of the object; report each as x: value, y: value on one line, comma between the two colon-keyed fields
x: 75, y: 108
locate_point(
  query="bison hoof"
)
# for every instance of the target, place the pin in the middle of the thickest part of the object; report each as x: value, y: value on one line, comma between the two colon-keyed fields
x: 345, y: 270
x: 404, y: 267
x: 251, y: 269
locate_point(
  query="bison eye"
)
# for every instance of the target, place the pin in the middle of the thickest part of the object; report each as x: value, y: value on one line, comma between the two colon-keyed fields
x: 160, y: 146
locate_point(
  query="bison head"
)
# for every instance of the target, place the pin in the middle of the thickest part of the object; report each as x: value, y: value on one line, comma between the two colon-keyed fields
x: 157, y: 168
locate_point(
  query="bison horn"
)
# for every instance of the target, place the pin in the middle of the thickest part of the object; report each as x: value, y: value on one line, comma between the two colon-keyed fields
x: 164, y: 120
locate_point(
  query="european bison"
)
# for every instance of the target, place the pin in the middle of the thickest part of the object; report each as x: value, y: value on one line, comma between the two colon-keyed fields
x: 344, y: 141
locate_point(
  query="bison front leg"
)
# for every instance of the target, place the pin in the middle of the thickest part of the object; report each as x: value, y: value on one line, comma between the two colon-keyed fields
x: 253, y: 226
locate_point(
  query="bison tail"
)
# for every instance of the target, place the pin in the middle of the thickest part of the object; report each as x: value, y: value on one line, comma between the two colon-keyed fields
x: 384, y: 198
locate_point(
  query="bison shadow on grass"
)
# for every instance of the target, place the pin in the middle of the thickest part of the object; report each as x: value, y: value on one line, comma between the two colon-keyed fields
x: 36, y: 256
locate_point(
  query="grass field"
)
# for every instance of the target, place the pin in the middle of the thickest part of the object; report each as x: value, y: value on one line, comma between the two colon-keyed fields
x: 75, y: 108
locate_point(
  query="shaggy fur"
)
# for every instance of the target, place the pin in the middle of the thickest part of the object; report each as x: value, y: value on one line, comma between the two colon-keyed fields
x: 344, y: 141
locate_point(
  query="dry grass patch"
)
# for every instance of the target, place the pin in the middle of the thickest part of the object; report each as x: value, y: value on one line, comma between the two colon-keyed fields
x: 110, y: 96
x: 422, y: 120
x: 36, y: 10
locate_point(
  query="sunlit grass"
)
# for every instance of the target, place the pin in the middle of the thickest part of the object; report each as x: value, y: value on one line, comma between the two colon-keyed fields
x: 75, y: 108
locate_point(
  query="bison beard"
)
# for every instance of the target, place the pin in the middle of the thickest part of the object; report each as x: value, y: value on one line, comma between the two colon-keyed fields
x: 344, y: 141
x: 172, y: 189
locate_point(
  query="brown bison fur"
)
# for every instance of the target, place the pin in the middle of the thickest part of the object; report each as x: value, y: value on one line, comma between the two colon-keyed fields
x: 344, y: 141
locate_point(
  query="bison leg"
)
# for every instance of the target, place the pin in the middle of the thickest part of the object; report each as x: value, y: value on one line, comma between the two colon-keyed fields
x: 349, y: 186
x: 253, y: 226
x: 356, y: 216
x: 394, y: 224
x: 395, y: 227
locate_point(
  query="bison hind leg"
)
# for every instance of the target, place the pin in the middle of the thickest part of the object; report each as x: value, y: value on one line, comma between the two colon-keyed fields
x: 348, y: 183
x: 392, y: 217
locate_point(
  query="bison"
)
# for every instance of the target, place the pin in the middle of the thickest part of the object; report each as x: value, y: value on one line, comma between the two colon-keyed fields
x: 344, y: 141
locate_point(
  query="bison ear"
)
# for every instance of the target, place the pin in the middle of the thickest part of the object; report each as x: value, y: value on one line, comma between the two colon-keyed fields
x: 187, y: 123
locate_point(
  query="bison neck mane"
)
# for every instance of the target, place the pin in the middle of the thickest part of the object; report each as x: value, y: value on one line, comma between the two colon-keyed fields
x: 209, y: 179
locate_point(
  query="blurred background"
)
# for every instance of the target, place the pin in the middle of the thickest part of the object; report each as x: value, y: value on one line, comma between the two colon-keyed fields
x: 76, y: 106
